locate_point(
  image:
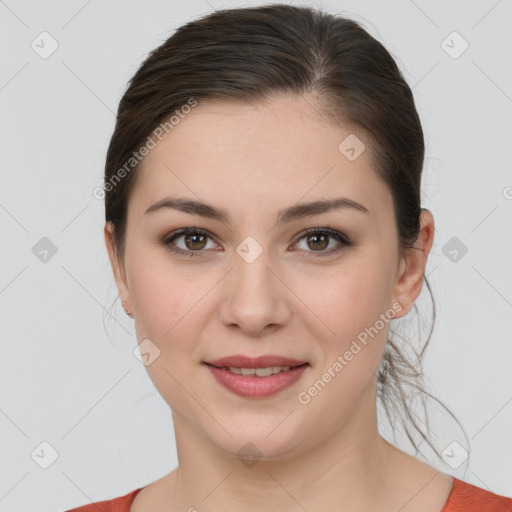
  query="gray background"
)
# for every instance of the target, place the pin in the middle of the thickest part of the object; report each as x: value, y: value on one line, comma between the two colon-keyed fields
x: 72, y: 389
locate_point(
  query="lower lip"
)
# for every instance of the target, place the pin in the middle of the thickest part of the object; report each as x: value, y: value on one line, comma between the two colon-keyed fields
x: 257, y: 387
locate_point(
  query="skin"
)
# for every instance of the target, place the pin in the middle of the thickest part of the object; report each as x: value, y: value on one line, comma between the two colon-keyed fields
x: 290, y: 301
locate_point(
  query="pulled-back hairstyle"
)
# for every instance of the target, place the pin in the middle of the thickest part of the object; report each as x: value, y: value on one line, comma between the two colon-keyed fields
x: 247, y: 55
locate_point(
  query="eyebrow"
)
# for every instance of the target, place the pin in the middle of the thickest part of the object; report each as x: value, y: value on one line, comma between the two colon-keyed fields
x: 286, y: 215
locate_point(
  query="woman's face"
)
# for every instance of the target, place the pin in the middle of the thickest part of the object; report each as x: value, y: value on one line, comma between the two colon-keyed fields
x: 249, y: 285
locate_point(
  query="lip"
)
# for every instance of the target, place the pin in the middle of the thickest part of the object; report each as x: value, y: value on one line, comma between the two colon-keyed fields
x: 251, y: 386
x: 239, y: 361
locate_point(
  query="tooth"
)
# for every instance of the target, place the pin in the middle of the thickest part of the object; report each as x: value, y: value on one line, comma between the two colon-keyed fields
x: 264, y: 372
x: 260, y: 372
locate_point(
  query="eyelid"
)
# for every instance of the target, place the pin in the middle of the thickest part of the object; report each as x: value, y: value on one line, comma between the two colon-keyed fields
x: 334, y: 233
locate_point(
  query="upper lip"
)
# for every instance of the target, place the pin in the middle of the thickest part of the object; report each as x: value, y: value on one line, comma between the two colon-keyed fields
x: 239, y: 361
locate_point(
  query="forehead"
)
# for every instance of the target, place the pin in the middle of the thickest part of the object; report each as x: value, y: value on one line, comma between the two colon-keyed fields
x: 277, y: 153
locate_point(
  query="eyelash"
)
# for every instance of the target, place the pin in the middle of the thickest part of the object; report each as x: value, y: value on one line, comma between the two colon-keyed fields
x: 342, y: 239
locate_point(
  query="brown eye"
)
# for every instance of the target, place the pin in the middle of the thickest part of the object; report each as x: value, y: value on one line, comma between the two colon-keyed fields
x: 194, y: 241
x: 318, y: 240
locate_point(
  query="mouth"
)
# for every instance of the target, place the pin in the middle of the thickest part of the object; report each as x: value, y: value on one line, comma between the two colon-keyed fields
x: 252, y: 381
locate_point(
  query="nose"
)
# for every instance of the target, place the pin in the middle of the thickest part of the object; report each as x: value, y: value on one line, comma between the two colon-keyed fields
x: 254, y: 298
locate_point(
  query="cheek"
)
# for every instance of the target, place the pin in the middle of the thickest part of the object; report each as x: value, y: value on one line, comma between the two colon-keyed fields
x: 350, y: 303
x: 168, y: 314
x: 173, y: 309
x: 345, y: 299
x: 161, y: 295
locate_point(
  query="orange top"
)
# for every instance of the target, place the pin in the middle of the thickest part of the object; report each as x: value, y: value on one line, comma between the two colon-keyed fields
x: 464, y: 497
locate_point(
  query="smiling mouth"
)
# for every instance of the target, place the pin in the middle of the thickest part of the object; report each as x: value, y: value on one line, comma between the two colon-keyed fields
x: 257, y: 383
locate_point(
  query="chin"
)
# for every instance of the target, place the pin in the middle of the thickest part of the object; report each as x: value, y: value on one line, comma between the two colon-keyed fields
x: 260, y: 440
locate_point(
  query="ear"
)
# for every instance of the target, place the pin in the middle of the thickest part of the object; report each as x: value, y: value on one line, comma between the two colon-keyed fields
x: 412, y: 266
x: 119, y: 275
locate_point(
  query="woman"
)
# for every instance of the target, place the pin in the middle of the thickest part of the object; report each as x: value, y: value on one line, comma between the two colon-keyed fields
x: 264, y: 226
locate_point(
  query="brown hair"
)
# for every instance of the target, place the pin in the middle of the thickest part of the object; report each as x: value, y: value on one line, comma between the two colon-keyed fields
x: 248, y: 54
